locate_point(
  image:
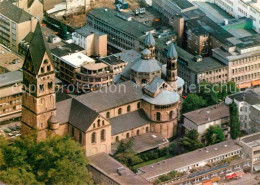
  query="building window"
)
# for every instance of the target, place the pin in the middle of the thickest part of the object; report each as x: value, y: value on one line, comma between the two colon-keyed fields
x: 128, y: 108
x: 48, y: 68
x: 94, y: 125
x: 42, y: 87
x: 80, y: 137
x: 45, y: 61
x: 147, y: 129
x: 119, y: 111
x: 50, y: 85
x: 98, y: 123
x: 158, y: 116
x: 103, y: 135
x: 108, y: 115
x: 127, y: 135
x: 72, y: 132
x: 117, y: 138
x: 103, y: 122
x: 138, y: 132
x: 93, y: 137
x: 170, y: 115
x: 138, y: 105
x: 42, y: 69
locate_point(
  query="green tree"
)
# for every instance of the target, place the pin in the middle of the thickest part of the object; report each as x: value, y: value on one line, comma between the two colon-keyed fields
x: 58, y: 160
x: 209, y: 92
x: 234, y: 121
x: 63, y: 32
x: 192, y: 102
x: 191, y: 141
x: 213, y: 135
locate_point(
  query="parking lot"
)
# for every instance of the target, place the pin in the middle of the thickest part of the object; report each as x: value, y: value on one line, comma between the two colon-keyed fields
x: 11, y: 130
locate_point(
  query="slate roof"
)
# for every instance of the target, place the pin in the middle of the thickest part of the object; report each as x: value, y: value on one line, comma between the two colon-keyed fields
x: 10, y: 78
x: 146, y: 66
x: 129, y: 121
x: 63, y: 110
x: 172, y: 53
x: 248, y: 96
x: 149, y: 40
x: 81, y: 116
x: 154, y: 84
x: 14, y: 13
x: 112, y: 96
x: 163, y: 98
x: 37, y: 49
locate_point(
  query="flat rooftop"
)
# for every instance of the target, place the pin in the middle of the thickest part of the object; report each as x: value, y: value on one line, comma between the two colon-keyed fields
x: 248, y: 96
x: 115, y: 170
x: 183, y: 4
x: 11, y: 78
x: 194, y: 157
x: 251, y: 140
x: 208, y: 114
x: 77, y: 59
x: 112, y: 60
x: 10, y: 60
x: 62, y: 48
x: 87, y: 30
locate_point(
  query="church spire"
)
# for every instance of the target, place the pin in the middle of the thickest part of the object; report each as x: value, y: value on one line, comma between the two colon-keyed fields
x: 172, y: 53
x: 149, y: 43
x: 172, y: 56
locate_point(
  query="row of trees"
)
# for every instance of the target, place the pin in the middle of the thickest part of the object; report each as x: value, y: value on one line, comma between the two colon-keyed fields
x: 58, y: 160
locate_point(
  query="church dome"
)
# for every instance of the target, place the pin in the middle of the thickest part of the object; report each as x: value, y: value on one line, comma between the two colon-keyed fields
x: 164, y: 98
x: 146, y: 66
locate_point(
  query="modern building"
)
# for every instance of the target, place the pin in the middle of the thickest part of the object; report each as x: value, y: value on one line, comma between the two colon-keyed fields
x: 121, y: 29
x: 94, y: 42
x: 242, y: 8
x: 144, y: 103
x: 254, y: 118
x: 244, y: 101
x: 15, y: 24
x: 107, y: 170
x: 9, y: 61
x: 11, y: 95
x: 202, y: 119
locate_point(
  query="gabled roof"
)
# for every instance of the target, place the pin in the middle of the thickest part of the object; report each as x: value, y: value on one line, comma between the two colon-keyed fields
x: 37, y: 49
x: 149, y: 40
x: 14, y: 13
x: 154, y: 85
x: 81, y: 116
x: 172, y: 53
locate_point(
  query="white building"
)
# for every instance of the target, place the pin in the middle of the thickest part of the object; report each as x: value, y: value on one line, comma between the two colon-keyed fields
x: 244, y: 101
x: 242, y: 8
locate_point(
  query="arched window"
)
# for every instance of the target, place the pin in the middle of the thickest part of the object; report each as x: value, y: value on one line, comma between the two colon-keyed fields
x: 119, y: 111
x: 138, y: 105
x: 98, y: 123
x: 127, y: 135
x: 108, y: 115
x: 147, y: 129
x: 158, y: 116
x: 144, y: 81
x: 128, y: 108
x: 117, y: 138
x: 80, y: 137
x: 45, y: 61
x: 93, y: 137
x: 94, y: 125
x: 171, y: 115
x: 103, y: 135
x: 103, y: 122
x: 72, y: 132
x: 138, y: 132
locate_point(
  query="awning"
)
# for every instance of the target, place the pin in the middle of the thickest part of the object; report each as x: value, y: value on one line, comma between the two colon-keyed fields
x: 239, y: 173
x: 244, y: 85
x: 257, y: 168
x: 230, y: 175
x: 209, y: 182
x: 215, y: 179
x: 255, y: 83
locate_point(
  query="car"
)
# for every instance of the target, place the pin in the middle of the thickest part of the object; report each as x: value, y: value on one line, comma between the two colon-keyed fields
x: 7, y: 130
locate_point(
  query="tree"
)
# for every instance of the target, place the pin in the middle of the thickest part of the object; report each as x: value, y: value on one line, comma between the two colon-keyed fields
x: 191, y: 141
x: 192, y: 102
x: 234, y: 121
x: 58, y: 160
x: 213, y: 135
x: 63, y: 31
x: 209, y: 92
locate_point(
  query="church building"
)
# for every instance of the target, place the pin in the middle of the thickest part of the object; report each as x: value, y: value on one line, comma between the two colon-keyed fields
x: 147, y: 99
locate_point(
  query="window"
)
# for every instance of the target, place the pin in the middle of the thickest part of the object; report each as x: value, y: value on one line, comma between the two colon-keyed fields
x: 72, y: 132
x: 80, y: 137
x: 128, y: 108
x: 138, y: 105
x: 117, y: 139
x: 103, y: 135
x: 144, y: 81
x: 103, y: 122
x: 45, y: 62
x: 93, y: 137
x: 158, y: 116
x: 138, y: 132
x: 108, y: 115
x: 98, y: 123
x: 42, y: 87
x: 127, y: 135
x: 48, y: 68
x: 119, y: 111
x: 170, y: 115
x: 147, y: 129
x: 94, y: 125
x: 42, y: 69
x: 50, y: 85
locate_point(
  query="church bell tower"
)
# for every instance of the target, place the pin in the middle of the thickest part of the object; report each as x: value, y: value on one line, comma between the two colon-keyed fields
x: 172, y: 57
x: 39, y: 98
